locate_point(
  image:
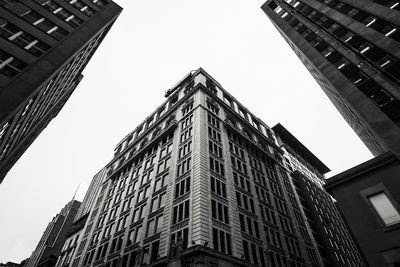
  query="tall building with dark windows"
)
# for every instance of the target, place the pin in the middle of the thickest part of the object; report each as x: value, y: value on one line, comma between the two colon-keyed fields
x: 201, y: 182
x: 44, y: 47
x: 53, y: 238
x: 352, y: 48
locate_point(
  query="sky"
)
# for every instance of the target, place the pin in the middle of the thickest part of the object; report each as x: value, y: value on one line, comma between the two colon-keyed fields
x: 152, y: 45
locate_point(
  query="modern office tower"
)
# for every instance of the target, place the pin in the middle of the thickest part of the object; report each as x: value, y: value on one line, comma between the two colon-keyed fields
x: 44, y: 47
x: 330, y: 233
x: 368, y: 196
x: 352, y: 48
x: 53, y: 238
x: 72, y: 236
x: 201, y: 182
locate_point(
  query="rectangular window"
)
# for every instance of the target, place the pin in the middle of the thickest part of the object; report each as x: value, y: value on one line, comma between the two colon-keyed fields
x: 134, y: 235
x: 157, y: 202
x: 180, y: 212
x: 154, y: 226
x: 186, y: 134
x: 385, y: 208
x: 215, y: 149
x: 179, y: 237
x: 218, y: 187
x: 184, y: 166
x: 213, y: 121
x: 222, y: 241
x: 182, y: 187
x: 163, y: 165
x: 160, y: 182
x: 214, y: 134
x: 219, y: 212
x: 217, y: 166
x: 186, y: 122
x: 185, y: 149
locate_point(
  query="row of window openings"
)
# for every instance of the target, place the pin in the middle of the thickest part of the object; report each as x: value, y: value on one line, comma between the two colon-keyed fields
x: 23, y: 39
x: 6, y: 68
x: 370, y: 88
x: 378, y: 24
x: 254, y: 122
x: 150, y: 252
x: 378, y: 56
x: 62, y: 14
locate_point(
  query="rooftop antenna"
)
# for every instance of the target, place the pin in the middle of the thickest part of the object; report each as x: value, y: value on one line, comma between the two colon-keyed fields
x: 73, y: 198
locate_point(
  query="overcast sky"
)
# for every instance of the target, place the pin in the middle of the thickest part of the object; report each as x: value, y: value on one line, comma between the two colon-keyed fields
x: 152, y: 46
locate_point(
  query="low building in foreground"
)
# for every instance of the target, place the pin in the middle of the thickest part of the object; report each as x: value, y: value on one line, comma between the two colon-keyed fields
x: 368, y: 197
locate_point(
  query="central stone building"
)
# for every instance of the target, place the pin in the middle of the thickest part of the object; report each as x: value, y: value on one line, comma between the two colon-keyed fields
x: 204, y: 182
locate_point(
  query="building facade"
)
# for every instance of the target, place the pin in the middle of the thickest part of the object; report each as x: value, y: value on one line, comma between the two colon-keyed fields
x: 330, y: 233
x: 53, y: 238
x: 352, y: 49
x: 44, y: 47
x: 201, y: 182
x: 81, y: 217
x: 368, y: 197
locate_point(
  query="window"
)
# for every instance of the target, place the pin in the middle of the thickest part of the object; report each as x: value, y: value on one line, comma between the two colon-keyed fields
x: 184, y: 167
x: 214, y: 134
x: 82, y: 7
x: 116, y: 244
x: 242, y: 182
x: 185, y: 149
x: 22, y: 39
x: 162, y: 166
x: 47, y: 26
x: 157, y: 202
x: 160, y: 182
x: 134, y: 235
x: 138, y: 213
x: 122, y: 223
x: 187, y: 121
x: 186, y: 134
x: 9, y: 65
x: 239, y: 165
x: 182, y: 187
x: 215, y: 149
x: 154, y: 226
x: 180, y: 212
x: 222, y: 241
x: 213, y: 121
x: 249, y: 226
x: 143, y: 194
x: 187, y: 108
x: 217, y: 166
x: 62, y: 13
x: 245, y: 202
x: 218, y: 187
x: 179, y: 239
x: 165, y: 150
x: 219, y: 212
x: 385, y: 208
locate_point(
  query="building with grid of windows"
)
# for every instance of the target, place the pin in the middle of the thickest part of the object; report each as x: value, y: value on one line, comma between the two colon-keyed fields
x: 53, y: 238
x: 201, y: 182
x: 44, y: 47
x: 352, y: 48
x: 330, y: 233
